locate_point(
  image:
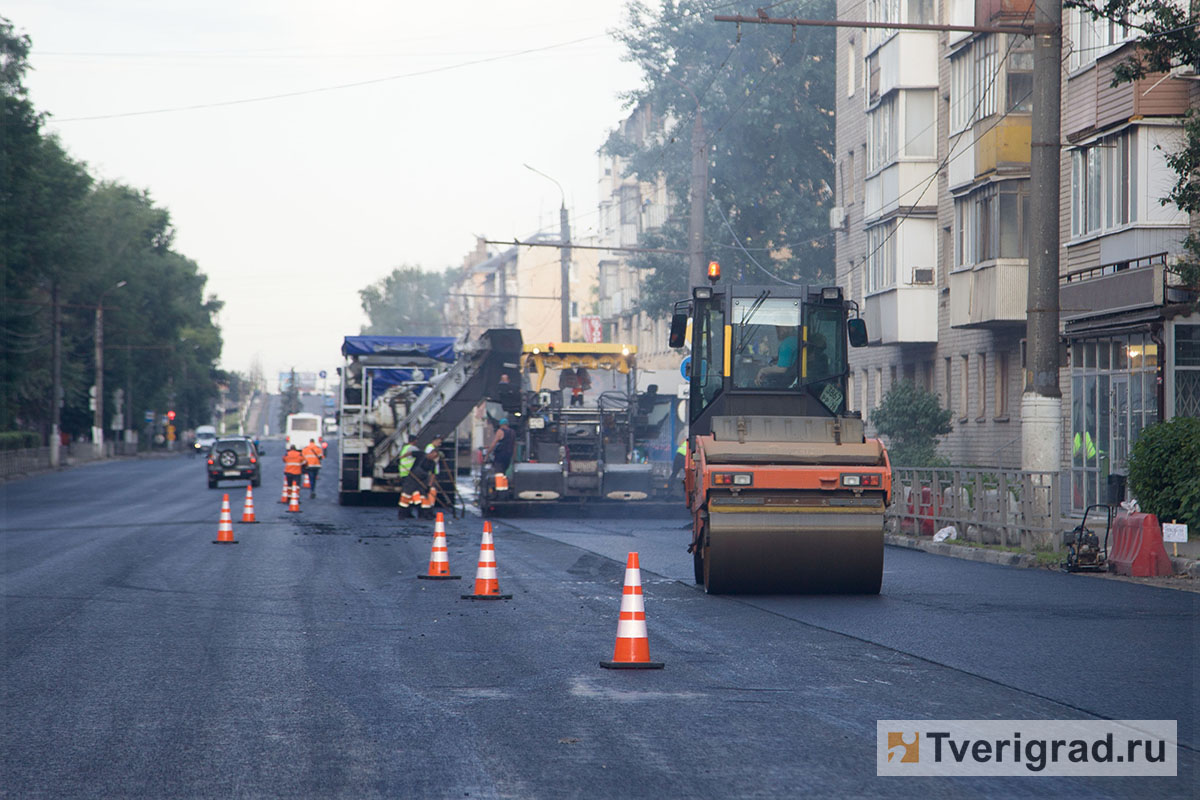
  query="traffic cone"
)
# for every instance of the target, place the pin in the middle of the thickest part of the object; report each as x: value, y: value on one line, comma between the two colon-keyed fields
x: 487, y: 586
x: 294, y: 499
x: 632, y: 650
x: 225, y: 526
x: 248, y: 508
x: 307, y: 485
x: 284, y: 497
x: 439, y: 564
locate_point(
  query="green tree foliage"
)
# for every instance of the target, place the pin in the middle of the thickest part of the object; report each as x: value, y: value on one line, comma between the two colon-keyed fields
x: 1163, y: 475
x: 1170, y: 38
x: 63, y: 234
x: 767, y: 101
x: 409, y: 301
x: 912, y: 418
x: 289, y: 400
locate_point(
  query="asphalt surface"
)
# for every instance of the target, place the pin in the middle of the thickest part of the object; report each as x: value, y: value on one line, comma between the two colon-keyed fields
x: 141, y: 660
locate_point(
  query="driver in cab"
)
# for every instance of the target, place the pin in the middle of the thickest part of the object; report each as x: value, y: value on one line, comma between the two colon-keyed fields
x: 788, y: 346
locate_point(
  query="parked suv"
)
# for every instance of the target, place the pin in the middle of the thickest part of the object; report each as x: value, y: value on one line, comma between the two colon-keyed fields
x: 233, y: 458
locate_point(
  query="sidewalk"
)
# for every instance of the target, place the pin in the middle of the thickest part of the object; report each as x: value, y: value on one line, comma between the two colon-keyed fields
x: 1186, y: 565
x: 78, y: 463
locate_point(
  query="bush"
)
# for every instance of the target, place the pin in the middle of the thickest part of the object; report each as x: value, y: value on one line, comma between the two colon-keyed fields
x: 19, y: 440
x: 1163, y: 472
x: 912, y: 418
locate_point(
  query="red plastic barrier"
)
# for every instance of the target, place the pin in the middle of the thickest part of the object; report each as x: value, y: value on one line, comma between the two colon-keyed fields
x: 921, y: 514
x: 1137, y: 547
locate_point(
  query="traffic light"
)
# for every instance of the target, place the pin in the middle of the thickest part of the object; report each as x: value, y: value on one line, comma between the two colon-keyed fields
x: 171, y: 416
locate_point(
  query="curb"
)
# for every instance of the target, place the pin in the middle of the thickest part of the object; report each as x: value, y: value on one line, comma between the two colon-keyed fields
x: 1181, y: 566
x: 1004, y: 559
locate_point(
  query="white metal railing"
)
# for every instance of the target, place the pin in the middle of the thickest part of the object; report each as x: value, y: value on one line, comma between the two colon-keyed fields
x: 1014, y: 508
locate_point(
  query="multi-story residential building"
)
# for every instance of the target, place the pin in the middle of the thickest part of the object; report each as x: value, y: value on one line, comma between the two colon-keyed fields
x: 520, y: 287
x: 629, y: 207
x: 933, y: 145
x: 1133, y: 335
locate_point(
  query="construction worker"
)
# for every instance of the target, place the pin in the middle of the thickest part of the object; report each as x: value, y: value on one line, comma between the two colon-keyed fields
x: 501, y: 447
x: 313, y: 454
x: 679, y: 461
x: 436, y: 444
x: 419, y: 490
x: 405, y: 464
x: 293, y: 467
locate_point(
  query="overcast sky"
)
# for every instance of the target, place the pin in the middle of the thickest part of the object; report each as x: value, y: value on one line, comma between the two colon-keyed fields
x: 291, y: 205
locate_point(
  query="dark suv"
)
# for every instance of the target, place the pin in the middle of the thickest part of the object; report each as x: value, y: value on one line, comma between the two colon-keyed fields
x: 233, y: 458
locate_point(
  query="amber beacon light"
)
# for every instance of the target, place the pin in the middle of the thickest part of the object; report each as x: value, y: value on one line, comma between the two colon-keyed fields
x: 714, y: 271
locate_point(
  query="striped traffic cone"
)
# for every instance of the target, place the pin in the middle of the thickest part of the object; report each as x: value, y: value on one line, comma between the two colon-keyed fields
x: 248, y: 508
x: 307, y: 485
x: 487, y: 586
x: 225, y: 526
x: 283, y: 498
x: 632, y: 650
x: 439, y: 563
x: 294, y: 499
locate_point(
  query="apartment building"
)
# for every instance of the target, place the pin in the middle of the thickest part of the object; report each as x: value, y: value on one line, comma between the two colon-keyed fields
x: 932, y: 234
x: 932, y: 177
x: 629, y: 207
x: 484, y: 296
x: 1132, y: 333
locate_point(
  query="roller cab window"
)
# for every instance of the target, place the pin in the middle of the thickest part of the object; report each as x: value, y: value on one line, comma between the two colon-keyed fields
x: 767, y: 337
x: 708, y: 360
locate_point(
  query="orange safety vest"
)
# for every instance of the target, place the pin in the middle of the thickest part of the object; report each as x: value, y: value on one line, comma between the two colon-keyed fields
x: 312, y: 455
x: 293, y: 462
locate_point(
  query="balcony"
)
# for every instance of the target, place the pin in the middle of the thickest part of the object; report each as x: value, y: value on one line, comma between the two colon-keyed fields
x: 898, y: 185
x: 1094, y: 104
x: 991, y: 294
x: 1003, y: 146
x: 902, y: 314
x: 1113, y: 288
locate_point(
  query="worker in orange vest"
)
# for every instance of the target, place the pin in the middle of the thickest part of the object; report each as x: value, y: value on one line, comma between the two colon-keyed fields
x: 293, y: 467
x: 313, y: 454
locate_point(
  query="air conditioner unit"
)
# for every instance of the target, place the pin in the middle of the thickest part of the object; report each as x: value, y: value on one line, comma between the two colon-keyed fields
x: 922, y: 276
x: 837, y: 218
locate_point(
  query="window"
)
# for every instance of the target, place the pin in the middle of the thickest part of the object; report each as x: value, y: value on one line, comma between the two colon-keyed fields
x: 851, y: 69
x: 981, y: 378
x: 1001, y: 363
x: 881, y: 11
x: 850, y: 391
x: 881, y: 257
x: 921, y: 12
x: 1187, y: 370
x: 992, y: 222
x: 964, y: 397
x: 1092, y: 37
x: 1104, y: 184
x: 878, y: 386
x: 984, y: 75
x: 962, y: 94
x: 882, y: 134
x: 920, y: 122
x: 1018, y: 81
x: 948, y: 391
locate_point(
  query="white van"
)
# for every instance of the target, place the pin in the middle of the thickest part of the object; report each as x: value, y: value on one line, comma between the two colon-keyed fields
x: 300, y: 429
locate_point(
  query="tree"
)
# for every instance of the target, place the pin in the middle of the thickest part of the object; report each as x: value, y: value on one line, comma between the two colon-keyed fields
x: 767, y: 101
x: 1162, y: 470
x: 408, y: 301
x: 912, y: 418
x: 1170, y: 39
x: 289, y: 400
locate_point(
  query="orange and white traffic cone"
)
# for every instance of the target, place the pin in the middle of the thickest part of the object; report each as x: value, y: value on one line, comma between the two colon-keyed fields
x: 225, y: 526
x: 439, y: 563
x: 487, y: 586
x: 294, y: 499
x: 307, y: 485
x: 283, y: 498
x: 501, y: 482
x: 248, y: 508
x: 632, y: 650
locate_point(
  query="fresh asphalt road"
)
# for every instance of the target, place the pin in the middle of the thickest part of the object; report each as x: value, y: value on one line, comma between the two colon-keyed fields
x: 141, y: 660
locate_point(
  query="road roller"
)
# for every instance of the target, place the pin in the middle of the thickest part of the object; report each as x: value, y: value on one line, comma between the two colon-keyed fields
x: 786, y: 493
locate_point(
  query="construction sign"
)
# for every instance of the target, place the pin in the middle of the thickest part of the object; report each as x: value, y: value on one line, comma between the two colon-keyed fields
x: 593, y: 332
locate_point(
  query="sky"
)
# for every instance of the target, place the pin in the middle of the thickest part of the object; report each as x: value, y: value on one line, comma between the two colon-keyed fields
x: 291, y: 205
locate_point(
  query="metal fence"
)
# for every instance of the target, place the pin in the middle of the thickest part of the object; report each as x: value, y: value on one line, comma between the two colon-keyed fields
x: 1013, y: 508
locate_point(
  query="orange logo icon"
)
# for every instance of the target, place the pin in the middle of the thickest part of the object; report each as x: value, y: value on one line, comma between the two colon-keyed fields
x: 908, y: 750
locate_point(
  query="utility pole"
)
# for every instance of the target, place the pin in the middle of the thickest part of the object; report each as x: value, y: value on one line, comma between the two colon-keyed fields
x: 1041, y: 403
x: 564, y: 266
x: 56, y: 377
x: 698, y: 192
x: 98, y: 414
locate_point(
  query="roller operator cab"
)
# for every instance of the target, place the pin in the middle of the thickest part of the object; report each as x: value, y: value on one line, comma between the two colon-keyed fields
x: 786, y: 493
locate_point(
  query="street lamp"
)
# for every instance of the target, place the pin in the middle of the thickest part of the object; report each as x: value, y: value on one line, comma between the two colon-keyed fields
x: 564, y: 256
x: 98, y: 418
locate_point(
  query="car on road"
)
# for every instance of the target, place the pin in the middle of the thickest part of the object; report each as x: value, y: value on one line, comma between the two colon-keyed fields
x: 233, y: 458
x: 205, y: 436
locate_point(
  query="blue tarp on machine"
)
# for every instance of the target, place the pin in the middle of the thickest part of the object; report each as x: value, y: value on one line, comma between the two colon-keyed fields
x: 438, y: 348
